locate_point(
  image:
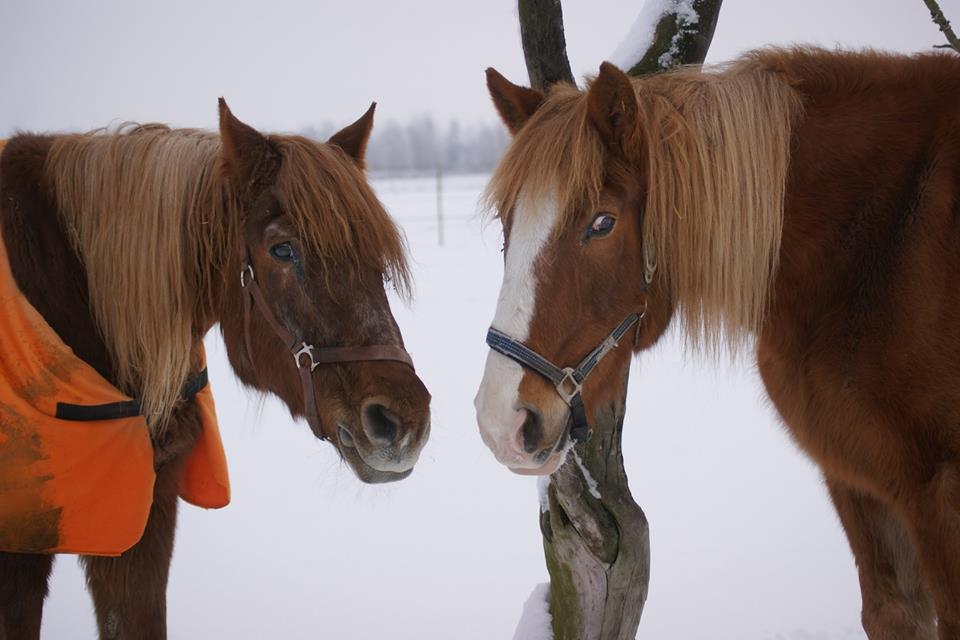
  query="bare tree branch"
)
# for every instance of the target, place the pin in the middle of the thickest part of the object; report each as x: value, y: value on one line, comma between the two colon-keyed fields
x: 941, y: 20
x: 544, y: 45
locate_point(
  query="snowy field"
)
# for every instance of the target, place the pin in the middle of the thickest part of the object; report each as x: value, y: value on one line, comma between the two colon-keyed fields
x: 745, y: 544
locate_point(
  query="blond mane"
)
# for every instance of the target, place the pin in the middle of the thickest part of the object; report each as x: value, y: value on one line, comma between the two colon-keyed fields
x: 149, y: 212
x: 716, y: 150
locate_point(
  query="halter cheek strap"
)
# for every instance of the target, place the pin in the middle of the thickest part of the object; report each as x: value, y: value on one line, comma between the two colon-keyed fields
x: 306, y: 356
x: 568, y: 381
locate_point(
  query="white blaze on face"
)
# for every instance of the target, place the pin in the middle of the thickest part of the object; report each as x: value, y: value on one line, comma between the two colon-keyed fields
x: 496, y: 401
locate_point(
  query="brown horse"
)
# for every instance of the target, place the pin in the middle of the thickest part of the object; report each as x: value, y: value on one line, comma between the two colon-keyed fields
x: 133, y: 244
x: 809, y: 200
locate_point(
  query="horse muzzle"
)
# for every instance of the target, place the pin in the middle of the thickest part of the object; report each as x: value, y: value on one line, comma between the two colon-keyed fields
x: 383, y: 445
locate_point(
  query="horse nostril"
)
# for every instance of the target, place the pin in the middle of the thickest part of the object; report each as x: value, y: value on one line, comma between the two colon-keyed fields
x: 532, y: 431
x: 381, y: 424
x: 541, y: 457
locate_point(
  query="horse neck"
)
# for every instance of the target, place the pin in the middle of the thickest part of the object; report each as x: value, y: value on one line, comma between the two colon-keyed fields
x: 218, y: 256
x: 874, y: 130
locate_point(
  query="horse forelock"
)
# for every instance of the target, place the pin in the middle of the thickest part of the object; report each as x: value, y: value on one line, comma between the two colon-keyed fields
x: 336, y: 212
x: 714, y: 158
x: 556, y: 157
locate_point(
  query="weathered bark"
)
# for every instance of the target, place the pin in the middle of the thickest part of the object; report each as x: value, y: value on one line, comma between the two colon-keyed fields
x: 677, y: 41
x: 544, y: 45
x: 598, y: 548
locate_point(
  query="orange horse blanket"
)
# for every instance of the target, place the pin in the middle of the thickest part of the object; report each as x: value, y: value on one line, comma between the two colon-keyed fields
x: 76, y: 477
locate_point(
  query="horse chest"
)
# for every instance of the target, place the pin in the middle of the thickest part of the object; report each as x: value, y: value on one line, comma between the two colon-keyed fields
x: 833, y: 415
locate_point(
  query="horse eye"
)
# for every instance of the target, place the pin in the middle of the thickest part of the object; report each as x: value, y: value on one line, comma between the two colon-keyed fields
x: 602, y: 225
x: 282, y: 252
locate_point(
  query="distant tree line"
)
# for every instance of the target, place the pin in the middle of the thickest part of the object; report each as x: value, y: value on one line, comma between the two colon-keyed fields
x: 420, y: 146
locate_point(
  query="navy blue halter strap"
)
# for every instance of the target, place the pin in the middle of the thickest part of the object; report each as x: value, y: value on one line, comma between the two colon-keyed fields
x: 567, y: 380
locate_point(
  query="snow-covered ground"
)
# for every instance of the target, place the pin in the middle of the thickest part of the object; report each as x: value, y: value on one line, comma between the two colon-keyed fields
x: 744, y: 541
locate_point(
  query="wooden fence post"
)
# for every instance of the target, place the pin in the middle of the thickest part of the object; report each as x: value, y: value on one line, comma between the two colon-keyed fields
x: 439, y: 205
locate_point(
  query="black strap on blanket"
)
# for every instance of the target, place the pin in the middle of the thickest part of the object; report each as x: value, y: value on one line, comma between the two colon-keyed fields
x: 124, y: 409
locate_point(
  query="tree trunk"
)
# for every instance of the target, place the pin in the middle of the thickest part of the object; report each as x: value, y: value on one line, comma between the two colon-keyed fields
x: 677, y: 40
x: 544, y: 45
x: 596, y: 541
x: 595, y: 537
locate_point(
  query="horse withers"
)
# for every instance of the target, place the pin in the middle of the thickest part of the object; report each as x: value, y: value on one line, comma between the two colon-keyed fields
x: 125, y: 248
x: 803, y: 199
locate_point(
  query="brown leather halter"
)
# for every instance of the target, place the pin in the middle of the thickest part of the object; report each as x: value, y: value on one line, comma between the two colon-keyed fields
x: 299, y: 347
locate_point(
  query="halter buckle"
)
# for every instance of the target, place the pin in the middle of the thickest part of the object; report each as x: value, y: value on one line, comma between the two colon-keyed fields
x: 561, y: 386
x: 244, y: 280
x: 305, y: 349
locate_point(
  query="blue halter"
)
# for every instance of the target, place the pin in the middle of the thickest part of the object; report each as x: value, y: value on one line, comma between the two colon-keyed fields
x: 567, y: 380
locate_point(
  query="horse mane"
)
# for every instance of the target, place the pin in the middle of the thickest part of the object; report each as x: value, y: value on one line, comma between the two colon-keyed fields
x: 150, y: 213
x: 715, y: 147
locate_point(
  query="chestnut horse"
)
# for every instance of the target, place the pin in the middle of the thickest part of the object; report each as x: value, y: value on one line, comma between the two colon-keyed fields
x: 805, y: 199
x: 133, y: 244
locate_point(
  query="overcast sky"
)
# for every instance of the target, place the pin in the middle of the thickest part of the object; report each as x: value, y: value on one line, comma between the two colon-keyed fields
x: 285, y: 64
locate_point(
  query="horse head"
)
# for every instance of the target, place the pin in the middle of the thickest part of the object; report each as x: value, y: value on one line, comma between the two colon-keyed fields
x: 578, y: 292
x: 305, y: 313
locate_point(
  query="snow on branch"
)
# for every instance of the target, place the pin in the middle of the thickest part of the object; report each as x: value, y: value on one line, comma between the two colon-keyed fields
x: 666, y: 34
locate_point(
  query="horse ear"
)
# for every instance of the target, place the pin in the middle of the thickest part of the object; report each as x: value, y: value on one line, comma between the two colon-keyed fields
x: 353, y: 138
x: 514, y: 103
x: 250, y: 159
x: 612, y: 107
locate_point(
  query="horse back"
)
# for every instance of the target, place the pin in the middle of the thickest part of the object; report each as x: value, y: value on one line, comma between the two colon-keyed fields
x: 862, y: 353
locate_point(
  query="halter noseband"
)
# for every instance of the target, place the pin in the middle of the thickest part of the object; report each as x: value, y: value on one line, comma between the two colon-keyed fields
x: 298, y: 347
x: 567, y: 380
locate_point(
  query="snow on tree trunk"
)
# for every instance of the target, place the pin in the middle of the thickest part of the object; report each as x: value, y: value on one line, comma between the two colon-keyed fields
x: 595, y: 537
x: 535, y: 621
x: 668, y: 33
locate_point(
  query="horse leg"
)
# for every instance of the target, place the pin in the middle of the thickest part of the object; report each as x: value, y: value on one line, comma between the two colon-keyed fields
x: 896, y: 604
x: 23, y: 587
x: 933, y: 514
x: 129, y: 591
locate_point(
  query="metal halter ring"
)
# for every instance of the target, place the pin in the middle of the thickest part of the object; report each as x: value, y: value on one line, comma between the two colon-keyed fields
x: 244, y: 281
x: 308, y: 350
x: 577, y: 386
